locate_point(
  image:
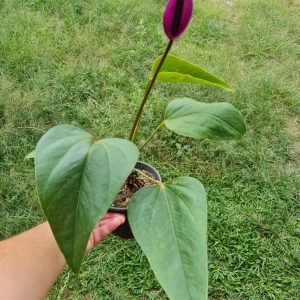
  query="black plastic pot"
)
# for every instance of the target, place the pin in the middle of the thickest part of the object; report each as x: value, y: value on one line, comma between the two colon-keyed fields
x: 124, y: 231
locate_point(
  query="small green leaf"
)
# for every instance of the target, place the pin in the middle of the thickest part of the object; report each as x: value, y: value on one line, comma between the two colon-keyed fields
x: 77, y: 179
x: 30, y: 155
x: 175, y: 69
x: 170, y: 223
x: 204, y: 120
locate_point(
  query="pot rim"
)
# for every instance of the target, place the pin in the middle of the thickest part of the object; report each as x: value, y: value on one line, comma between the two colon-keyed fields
x: 123, y: 209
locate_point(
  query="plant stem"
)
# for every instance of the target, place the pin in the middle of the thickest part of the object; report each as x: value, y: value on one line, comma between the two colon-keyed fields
x: 152, y: 135
x: 134, y: 128
x: 150, y: 178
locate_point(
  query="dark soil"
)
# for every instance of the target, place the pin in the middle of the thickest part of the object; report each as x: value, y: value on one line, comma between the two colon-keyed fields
x: 133, y: 183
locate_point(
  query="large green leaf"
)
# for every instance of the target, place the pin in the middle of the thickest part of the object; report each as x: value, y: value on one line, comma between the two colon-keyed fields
x: 204, y: 120
x: 175, y: 69
x: 78, y: 177
x: 170, y: 222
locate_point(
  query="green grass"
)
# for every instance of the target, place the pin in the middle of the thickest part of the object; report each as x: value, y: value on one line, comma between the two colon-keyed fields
x: 85, y: 62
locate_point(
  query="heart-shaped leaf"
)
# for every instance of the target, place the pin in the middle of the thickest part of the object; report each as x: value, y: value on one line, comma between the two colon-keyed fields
x: 78, y: 177
x: 204, y: 120
x: 175, y: 69
x: 170, y: 223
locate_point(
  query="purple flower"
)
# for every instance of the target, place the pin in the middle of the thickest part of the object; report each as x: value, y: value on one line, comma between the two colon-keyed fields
x: 177, y: 16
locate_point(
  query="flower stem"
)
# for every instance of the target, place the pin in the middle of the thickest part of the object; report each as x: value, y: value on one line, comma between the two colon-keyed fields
x: 152, y: 135
x: 134, y: 128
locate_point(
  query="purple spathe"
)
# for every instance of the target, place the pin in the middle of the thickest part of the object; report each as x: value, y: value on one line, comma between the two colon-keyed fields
x: 177, y: 16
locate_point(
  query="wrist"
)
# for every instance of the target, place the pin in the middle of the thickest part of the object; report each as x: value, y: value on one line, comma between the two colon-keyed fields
x: 49, y: 244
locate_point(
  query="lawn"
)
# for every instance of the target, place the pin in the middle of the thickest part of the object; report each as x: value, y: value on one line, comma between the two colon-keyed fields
x: 86, y: 62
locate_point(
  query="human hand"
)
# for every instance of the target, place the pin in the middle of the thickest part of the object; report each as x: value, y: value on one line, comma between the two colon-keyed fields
x: 105, y: 226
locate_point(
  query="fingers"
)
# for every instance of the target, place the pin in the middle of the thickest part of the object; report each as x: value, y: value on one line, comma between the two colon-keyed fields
x: 107, y: 224
x: 110, y: 215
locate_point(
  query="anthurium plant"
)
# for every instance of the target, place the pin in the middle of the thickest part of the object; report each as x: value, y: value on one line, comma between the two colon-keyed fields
x: 78, y: 176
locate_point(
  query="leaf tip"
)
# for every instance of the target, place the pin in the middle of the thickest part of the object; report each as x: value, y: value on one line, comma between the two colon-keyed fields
x: 227, y: 87
x: 30, y: 155
x: 230, y: 89
x: 74, y: 266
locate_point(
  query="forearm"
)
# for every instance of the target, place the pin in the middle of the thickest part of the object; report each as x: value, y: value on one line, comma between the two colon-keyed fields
x: 31, y: 261
x: 29, y: 264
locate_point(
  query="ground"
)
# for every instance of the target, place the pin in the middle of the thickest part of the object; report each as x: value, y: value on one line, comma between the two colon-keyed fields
x: 86, y: 62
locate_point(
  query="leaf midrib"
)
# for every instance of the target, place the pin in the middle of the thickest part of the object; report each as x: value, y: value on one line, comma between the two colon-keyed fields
x: 217, y: 81
x: 205, y: 113
x: 199, y: 79
x: 178, y: 197
x: 174, y: 232
x: 79, y: 195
